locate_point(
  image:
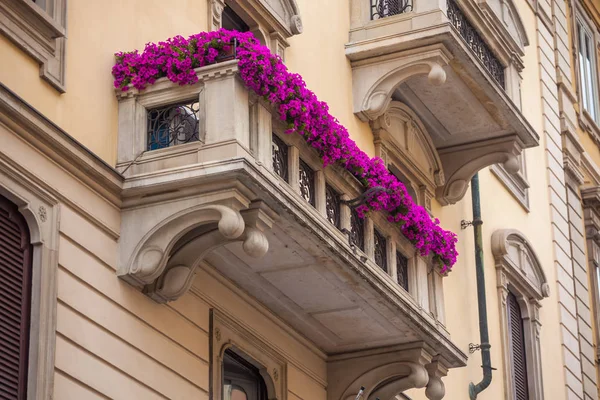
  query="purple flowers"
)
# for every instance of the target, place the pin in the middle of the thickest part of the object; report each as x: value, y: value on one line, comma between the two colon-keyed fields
x: 266, y: 75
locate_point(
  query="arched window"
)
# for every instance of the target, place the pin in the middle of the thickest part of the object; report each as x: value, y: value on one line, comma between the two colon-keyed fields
x: 241, y: 379
x: 521, y: 286
x: 15, y: 300
x: 516, y: 340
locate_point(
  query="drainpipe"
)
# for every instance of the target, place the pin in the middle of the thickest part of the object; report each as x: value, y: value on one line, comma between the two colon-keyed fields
x: 484, y: 338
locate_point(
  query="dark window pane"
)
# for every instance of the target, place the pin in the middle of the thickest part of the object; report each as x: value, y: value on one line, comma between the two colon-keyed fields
x: 232, y: 21
x: 241, y: 378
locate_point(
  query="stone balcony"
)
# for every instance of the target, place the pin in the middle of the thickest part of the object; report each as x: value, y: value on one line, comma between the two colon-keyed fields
x: 456, y: 64
x: 213, y: 183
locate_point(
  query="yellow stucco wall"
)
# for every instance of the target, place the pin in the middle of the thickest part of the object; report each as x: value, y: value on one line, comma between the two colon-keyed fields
x: 117, y: 336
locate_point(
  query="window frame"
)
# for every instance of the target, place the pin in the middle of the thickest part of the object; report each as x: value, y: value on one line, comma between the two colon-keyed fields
x: 39, y: 32
x: 584, y: 26
x: 516, y: 183
x: 41, y: 213
x: 519, y: 272
x: 226, y: 333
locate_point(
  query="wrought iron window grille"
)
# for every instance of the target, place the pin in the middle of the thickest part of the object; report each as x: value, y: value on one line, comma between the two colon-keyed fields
x: 172, y: 125
x: 380, y: 250
x: 476, y: 43
x: 387, y: 8
x: 306, y: 182
x: 280, y: 157
x: 332, y: 206
x: 356, y: 236
x: 402, y: 270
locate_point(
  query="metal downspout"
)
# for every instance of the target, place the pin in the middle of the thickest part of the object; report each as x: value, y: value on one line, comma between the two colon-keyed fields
x: 475, y: 389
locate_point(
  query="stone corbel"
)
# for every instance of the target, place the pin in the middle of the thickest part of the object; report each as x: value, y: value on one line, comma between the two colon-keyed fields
x: 374, y: 95
x: 389, y: 380
x: 462, y: 162
x: 183, y: 263
x: 384, y: 374
x: 149, y: 258
x: 435, y: 387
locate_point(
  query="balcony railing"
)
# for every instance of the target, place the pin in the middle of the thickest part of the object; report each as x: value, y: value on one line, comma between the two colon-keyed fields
x: 476, y: 43
x: 387, y: 8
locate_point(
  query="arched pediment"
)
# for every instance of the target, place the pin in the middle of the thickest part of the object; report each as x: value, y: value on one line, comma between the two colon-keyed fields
x: 402, y: 140
x: 507, y: 18
x: 515, y: 256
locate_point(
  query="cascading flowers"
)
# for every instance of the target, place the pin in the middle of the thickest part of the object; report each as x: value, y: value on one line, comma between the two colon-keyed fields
x: 266, y: 75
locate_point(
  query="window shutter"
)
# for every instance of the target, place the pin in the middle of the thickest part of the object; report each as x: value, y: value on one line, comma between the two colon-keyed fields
x: 517, y: 349
x: 15, y: 295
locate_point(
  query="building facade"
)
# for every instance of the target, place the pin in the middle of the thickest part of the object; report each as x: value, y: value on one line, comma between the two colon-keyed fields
x: 173, y: 242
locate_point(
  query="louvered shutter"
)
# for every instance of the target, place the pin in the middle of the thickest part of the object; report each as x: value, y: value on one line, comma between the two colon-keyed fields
x: 15, y: 295
x: 517, y: 349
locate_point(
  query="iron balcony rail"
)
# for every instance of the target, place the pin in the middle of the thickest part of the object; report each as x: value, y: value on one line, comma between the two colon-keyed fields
x: 387, y: 8
x: 476, y: 43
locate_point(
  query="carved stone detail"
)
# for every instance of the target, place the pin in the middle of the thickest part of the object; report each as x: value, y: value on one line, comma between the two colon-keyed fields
x: 385, y: 375
x: 215, y: 11
x: 166, y: 258
x: 518, y: 271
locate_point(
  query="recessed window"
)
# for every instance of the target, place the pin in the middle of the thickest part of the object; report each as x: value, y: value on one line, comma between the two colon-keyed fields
x: 241, y: 379
x: 172, y: 125
x: 15, y: 300
x: 516, y: 340
x: 588, y: 84
x: 232, y: 21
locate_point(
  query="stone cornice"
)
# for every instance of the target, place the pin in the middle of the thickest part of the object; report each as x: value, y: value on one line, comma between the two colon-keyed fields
x: 59, y: 146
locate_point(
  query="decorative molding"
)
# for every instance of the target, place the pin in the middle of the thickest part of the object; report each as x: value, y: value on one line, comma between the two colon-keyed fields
x: 215, y: 10
x: 165, y: 259
x: 591, y: 215
x: 386, y: 373
x: 59, y: 146
x: 41, y: 33
x: 31, y: 197
x: 516, y: 182
x: 227, y: 333
x: 519, y: 271
x: 461, y: 162
x: 402, y: 140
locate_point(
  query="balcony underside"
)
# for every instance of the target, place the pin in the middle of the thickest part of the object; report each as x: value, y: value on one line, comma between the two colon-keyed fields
x: 310, y: 277
x: 472, y: 120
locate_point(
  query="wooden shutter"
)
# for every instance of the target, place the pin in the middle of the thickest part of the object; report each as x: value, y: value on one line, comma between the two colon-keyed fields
x: 15, y: 295
x: 517, y: 349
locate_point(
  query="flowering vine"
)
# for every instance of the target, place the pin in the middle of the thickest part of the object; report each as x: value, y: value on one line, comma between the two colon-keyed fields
x: 266, y: 75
